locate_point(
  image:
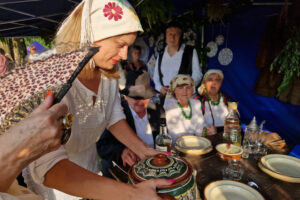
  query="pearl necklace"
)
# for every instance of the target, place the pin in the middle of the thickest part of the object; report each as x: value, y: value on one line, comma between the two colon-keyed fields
x: 182, y: 111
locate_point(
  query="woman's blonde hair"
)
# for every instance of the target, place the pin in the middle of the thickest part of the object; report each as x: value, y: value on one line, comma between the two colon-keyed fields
x: 69, y: 37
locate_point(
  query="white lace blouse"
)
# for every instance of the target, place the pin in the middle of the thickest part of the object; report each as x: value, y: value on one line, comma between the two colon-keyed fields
x: 219, y: 111
x: 88, y: 125
x: 177, y: 125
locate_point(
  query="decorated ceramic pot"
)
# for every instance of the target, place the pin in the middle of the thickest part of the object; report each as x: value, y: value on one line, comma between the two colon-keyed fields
x: 168, y: 167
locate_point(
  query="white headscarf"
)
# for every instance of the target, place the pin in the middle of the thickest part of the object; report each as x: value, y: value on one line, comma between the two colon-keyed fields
x: 207, y: 74
x: 105, y: 18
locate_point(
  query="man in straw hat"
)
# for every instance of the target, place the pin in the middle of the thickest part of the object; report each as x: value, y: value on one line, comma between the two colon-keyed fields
x: 93, y: 99
x: 142, y: 116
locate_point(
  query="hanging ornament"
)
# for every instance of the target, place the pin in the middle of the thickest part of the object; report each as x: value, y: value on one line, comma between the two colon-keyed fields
x: 225, y: 56
x: 213, y: 49
x: 220, y: 39
x: 159, y: 45
x: 190, y: 37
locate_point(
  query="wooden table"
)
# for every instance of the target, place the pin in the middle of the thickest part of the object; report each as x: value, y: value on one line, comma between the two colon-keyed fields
x: 209, y: 168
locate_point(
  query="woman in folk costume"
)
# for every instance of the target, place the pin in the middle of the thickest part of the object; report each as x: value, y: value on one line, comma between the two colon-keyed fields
x: 94, y: 101
x: 214, y: 103
x: 183, y: 113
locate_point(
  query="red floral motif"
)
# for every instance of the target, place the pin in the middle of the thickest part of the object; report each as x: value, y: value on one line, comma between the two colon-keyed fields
x: 184, y: 78
x: 111, y: 10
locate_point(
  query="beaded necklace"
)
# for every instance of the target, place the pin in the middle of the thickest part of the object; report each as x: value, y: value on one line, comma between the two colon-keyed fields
x: 211, y: 101
x: 182, y: 111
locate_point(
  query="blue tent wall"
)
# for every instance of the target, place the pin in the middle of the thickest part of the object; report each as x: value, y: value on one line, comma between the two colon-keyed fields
x: 245, y: 34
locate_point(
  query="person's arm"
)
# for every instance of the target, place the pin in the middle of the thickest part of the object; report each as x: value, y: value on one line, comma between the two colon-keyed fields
x: 197, y: 74
x: 156, y: 76
x: 122, y: 131
x: 74, y: 180
x: 31, y: 138
x: 109, y: 147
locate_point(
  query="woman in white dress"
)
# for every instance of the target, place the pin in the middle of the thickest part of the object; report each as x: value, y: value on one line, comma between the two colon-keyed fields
x: 183, y: 114
x: 214, y: 102
x: 93, y: 100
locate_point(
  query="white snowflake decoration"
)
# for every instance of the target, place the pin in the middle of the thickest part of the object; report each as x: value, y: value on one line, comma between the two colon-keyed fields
x: 213, y: 49
x: 225, y: 56
x: 220, y: 39
x: 190, y: 37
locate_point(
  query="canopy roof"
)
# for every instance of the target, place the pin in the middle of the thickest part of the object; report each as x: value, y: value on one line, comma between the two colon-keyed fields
x: 30, y: 17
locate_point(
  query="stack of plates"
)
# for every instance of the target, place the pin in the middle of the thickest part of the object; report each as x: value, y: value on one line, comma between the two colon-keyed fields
x: 230, y: 190
x: 282, y: 167
x: 194, y: 145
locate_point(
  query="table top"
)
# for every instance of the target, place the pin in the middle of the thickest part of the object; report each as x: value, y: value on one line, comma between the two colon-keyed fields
x: 209, y: 168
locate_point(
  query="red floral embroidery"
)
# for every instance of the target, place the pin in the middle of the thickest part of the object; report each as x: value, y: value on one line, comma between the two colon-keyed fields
x: 111, y: 10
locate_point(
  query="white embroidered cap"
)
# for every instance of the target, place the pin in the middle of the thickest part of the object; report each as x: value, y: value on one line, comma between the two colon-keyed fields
x: 106, y: 18
x: 207, y: 74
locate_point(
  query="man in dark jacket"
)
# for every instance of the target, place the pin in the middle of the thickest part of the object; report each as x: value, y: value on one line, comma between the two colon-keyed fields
x: 141, y: 115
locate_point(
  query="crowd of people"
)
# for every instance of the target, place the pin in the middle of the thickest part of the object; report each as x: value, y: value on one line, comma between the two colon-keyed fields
x: 117, y: 125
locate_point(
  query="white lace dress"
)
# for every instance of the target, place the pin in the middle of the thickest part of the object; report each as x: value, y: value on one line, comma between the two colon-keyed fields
x: 89, y: 123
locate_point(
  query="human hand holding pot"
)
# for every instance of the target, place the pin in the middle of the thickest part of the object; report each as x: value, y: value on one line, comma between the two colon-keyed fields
x: 147, y: 189
x: 128, y: 157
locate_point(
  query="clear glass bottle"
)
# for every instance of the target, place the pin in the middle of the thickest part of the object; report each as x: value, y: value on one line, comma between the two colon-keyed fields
x: 163, y: 141
x: 232, y: 127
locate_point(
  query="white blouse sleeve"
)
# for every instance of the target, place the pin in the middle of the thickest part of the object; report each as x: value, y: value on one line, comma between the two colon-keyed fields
x: 200, y: 124
x: 197, y: 74
x: 156, y: 76
x: 5, y: 196
x: 41, y: 166
x: 117, y: 111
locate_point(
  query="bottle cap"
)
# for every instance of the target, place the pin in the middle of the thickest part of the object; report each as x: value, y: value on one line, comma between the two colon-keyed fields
x: 232, y: 105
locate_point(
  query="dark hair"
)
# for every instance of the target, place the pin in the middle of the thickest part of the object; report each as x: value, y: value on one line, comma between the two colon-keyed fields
x: 137, y: 47
x: 175, y: 24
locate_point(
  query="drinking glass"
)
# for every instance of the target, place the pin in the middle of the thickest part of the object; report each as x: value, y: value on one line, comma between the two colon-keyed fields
x: 246, y: 151
x: 234, y: 170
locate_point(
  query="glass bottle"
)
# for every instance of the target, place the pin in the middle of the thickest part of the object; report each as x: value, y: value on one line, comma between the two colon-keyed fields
x: 232, y: 127
x: 163, y: 141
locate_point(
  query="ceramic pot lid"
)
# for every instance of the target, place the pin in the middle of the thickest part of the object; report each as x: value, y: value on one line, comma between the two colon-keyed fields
x: 162, y: 166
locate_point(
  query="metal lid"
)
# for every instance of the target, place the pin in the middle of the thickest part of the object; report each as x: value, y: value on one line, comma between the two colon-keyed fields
x: 253, y: 124
x: 161, y: 166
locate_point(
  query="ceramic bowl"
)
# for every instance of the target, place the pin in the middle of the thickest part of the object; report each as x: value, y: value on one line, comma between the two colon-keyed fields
x: 233, y: 152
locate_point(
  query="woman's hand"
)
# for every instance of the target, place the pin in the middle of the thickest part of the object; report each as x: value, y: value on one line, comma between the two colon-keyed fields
x: 128, y: 157
x: 146, y: 190
x: 148, y: 152
x: 211, y: 130
x: 164, y: 90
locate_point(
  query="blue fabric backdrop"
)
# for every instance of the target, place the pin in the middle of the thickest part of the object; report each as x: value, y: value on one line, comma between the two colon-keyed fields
x: 245, y: 33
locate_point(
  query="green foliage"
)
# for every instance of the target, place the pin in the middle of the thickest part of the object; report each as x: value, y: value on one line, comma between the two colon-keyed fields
x: 154, y: 14
x: 288, y: 60
x: 29, y: 40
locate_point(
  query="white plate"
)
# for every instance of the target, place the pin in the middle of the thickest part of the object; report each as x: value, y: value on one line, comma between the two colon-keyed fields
x: 278, y: 176
x: 192, y: 144
x: 282, y: 164
x: 230, y: 190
